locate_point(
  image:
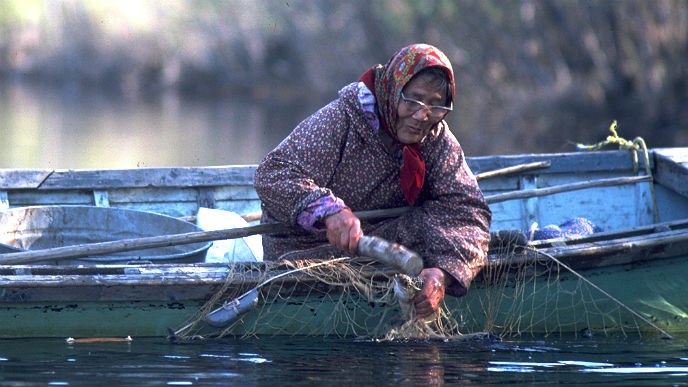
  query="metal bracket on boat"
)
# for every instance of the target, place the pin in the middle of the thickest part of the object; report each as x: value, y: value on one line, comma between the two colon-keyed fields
x: 101, y: 198
x: 4, y: 201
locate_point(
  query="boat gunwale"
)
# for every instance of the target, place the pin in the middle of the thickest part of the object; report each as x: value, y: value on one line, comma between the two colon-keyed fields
x: 212, y: 176
x: 596, y: 251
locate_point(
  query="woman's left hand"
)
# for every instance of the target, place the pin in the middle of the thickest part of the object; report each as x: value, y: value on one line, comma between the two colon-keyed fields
x: 427, y: 301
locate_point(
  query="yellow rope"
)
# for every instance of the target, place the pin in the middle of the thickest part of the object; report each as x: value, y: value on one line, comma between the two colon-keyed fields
x: 613, y: 139
x: 637, y: 144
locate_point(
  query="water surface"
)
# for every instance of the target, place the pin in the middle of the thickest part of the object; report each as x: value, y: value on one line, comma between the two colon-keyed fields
x: 286, y: 361
x: 43, y: 127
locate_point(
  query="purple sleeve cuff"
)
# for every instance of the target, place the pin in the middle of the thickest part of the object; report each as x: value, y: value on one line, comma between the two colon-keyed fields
x: 317, y: 210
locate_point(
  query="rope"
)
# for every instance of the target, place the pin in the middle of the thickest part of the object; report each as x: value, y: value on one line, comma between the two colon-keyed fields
x: 637, y: 144
x: 613, y: 139
x: 587, y: 281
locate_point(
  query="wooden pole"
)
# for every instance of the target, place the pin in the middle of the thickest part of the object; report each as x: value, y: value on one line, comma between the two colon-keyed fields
x: 109, y: 247
x: 531, y: 193
x: 513, y: 169
x: 392, y: 254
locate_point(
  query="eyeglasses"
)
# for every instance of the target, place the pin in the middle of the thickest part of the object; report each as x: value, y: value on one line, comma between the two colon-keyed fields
x: 433, y: 111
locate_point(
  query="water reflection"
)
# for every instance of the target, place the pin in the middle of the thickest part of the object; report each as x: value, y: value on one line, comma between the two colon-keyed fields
x: 72, y: 128
x: 298, y: 361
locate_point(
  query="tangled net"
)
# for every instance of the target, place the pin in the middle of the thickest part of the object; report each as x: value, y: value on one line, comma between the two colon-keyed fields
x: 518, y: 293
x: 344, y: 297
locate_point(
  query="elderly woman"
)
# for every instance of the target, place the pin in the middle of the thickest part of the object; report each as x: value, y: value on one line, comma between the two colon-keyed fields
x: 382, y: 144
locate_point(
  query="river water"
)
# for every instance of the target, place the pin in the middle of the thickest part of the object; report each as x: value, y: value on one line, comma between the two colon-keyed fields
x: 42, y: 127
x: 286, y: 361
x: 72, y: 128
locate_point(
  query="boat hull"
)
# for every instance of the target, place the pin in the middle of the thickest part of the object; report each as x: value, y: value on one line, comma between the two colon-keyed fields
x: 629, y: 278
x: 509, y: 301
x: 640, y: 297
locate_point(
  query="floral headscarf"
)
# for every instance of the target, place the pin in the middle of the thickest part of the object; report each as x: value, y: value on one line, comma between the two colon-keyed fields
x: 387, y: 82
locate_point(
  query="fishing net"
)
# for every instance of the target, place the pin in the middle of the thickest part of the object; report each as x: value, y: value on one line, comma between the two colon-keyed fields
x: 533, y: 295
x: 341, y: 297
x: 520, y: 292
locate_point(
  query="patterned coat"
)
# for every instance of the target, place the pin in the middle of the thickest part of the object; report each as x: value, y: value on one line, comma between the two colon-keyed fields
x: 337, y: 151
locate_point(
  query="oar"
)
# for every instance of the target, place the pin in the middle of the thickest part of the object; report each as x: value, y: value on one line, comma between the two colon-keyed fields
x: 532, y: 193
x: 536, y: 192
x: 391, y: 254
x: 513, y: 169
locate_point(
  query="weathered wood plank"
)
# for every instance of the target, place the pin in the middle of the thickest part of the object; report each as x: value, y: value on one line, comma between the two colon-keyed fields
x: 507, y: 216
x: 677, y: 155
x: 152, y: 195
x: 4, y: 200
x: 235, y: 193
x: 166, y: 200
x: 672, y: 169
x: 610, y: 208
x: 561, y: 162
x: 623, y: 250
x: 22, y: 178
x: 128, y: 178
x: 12, y: 179
x: 22, y: 198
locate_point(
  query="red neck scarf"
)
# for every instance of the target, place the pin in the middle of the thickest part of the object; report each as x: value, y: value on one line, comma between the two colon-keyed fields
x: 386, y: 83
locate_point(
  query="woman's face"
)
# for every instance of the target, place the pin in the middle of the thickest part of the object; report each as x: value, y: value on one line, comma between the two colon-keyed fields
x: 412, y: 126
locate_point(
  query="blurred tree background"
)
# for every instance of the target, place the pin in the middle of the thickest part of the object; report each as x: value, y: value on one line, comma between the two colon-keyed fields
x: 533, y: 75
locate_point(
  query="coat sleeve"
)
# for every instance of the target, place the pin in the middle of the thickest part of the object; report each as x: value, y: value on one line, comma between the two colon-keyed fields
x: 456, y: 217
x: 296, y: 172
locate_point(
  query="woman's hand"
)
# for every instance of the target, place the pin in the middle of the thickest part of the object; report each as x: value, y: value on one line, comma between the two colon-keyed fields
x: 344, y: 230
x: 427, y: 301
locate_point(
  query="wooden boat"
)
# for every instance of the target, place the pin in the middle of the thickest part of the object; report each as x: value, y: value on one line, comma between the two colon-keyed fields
x: 628, y: 277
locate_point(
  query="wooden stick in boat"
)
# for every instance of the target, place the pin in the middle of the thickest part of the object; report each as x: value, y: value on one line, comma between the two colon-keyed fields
x: 531, y: 193
x: 524, y: 194
x: 513, y: 169
x: 116, y: 246
x: 391, y: 254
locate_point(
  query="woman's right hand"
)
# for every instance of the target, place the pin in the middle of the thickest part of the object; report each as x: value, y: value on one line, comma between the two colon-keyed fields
x: 344, y: 230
